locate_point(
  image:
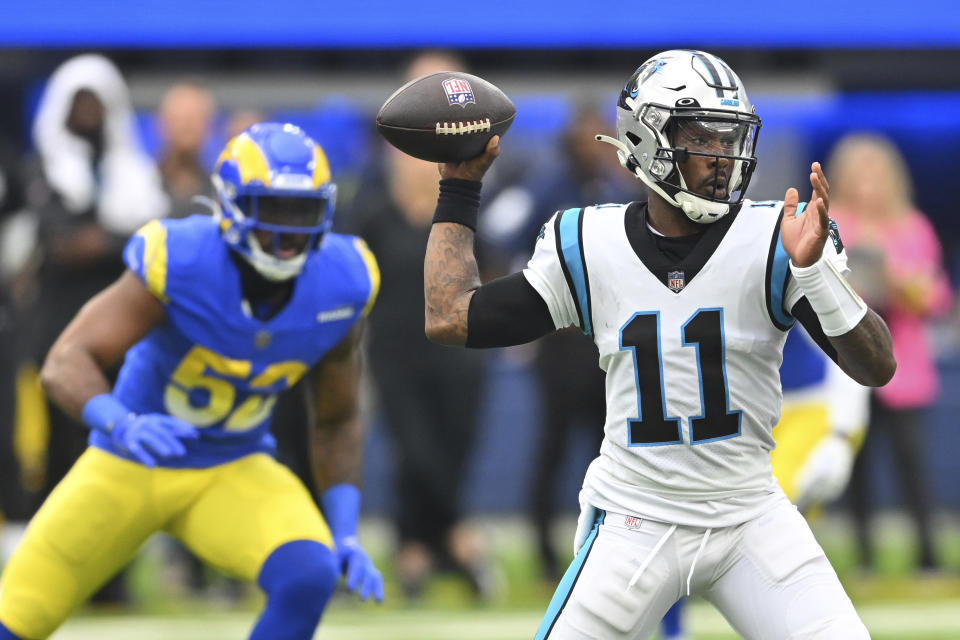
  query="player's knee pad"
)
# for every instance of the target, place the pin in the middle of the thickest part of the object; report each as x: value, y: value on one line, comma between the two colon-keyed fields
x: 300, y: 575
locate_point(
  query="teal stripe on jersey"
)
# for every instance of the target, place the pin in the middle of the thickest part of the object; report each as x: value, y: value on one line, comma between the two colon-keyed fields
x: 573, y: 258
x: 778, y: 279
x: 562, y: 594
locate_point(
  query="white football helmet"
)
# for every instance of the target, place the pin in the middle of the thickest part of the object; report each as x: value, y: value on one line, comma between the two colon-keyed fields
x: 684, y: 103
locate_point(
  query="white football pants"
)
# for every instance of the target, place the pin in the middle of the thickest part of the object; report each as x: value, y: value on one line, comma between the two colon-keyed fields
x: 768, y: 577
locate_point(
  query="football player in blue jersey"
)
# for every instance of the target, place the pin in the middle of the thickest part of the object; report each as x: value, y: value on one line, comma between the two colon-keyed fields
x: 214, y: 317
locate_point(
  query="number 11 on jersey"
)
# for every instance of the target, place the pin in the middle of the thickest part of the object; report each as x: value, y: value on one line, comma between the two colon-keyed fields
x: 703, y: 331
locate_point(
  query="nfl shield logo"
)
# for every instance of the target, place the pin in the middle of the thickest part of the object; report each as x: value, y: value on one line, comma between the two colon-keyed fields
x: 262, y: 339
x: 632, y: 522
x: 458, y: 92
x: 675, y: 281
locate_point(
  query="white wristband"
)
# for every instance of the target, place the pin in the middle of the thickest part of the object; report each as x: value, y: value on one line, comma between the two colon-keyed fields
x: 837, y: 305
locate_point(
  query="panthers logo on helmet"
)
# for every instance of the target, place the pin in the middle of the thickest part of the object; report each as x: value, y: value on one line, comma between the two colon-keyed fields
x: 641, y: 75
x: 273, y: 184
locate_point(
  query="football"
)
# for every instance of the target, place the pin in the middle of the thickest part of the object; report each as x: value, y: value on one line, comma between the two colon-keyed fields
x: 445, y: 117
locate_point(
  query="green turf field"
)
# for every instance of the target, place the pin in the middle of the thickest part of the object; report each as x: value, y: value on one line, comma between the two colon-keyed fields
x: 895, y: 602
x: 890, y: 620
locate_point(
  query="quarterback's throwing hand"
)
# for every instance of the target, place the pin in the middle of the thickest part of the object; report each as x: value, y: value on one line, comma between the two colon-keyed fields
x: 474, y: 168
x: 362, y: 577
x: 804, y: 235
x: 152, y: 434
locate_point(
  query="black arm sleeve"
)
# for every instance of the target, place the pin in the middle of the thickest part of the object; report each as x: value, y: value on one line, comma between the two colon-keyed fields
x: 805, y: 314
x: 505, y: 312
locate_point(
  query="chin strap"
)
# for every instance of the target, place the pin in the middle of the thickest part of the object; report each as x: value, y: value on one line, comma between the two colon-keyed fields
x: 699, y: 210
x: 270, y: 267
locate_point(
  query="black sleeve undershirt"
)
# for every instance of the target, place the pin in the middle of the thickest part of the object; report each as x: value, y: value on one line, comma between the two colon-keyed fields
x: 806, y: 316
x: 506, y: 312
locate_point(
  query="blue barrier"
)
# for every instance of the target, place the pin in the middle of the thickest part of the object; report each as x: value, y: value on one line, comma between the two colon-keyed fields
x: 498, y: 23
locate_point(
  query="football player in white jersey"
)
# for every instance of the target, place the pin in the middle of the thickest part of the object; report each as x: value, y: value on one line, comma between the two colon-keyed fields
x: 688, y: 297
x: 823, y: 420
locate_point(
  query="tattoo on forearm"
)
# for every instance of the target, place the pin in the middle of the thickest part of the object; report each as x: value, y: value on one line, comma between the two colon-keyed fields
x: 866, y: 352
x: 450, y: 276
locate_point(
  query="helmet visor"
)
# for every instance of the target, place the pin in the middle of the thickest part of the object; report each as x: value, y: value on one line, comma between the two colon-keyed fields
x: 284, y: 211
x: 285, y: 226
x: 726, y: 137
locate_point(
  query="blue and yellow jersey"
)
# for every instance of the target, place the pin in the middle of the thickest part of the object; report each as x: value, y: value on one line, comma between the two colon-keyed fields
x: 211, y: 363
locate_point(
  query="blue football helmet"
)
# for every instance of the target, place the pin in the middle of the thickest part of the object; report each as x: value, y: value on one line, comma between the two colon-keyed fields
x: 275, y: 197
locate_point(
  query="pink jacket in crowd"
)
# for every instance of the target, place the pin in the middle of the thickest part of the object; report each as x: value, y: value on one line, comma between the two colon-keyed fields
x: 911, y: 250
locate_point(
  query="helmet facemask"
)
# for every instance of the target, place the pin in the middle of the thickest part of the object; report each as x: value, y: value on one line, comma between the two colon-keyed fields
x: 284, y: 230
x: 726, y: 140
x: 275, y: 233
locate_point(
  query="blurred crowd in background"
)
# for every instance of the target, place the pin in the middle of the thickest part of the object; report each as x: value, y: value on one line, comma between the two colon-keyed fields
x: 89, y: 151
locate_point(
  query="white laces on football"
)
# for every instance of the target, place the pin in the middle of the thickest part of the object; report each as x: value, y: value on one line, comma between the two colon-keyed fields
x: 656, y: 549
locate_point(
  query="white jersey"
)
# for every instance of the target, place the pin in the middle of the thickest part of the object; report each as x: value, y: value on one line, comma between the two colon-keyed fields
x: 691, y: 351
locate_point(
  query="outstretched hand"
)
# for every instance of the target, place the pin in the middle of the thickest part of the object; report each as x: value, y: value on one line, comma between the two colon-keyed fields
x: 474, y: 168
x: 803, y: 236
x: 362, y: 577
